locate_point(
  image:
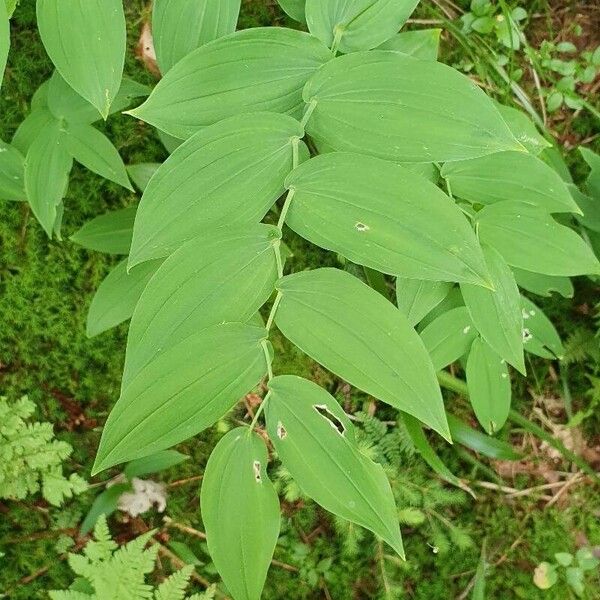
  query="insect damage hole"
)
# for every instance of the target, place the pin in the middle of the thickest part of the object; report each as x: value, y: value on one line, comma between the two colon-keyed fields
x: 361, y: 227
x: 331, y: 418
x: 281, y: 431
x: 256, y: 469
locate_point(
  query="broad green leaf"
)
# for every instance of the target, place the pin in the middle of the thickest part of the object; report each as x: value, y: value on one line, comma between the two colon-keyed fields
x: 180, y: 26
x: 428, y: 454
x: 154, y: 463
x: 40, y: 96
x: 378, y: 214
x: 590, y: 207
x: 222, y: 275
x: 355, y: 332
x: 231, y: 172
x: 480, y: 442
x: 47, y: 168
x: 423, y: 44
x: 110, y: 232
x: 540, y: 337
x: 543, y: 285
x: 201, y: 378
x: 497, y: 314
x: 85, y: 40
x: 592, y: 182
x: 509, y: 176
x: 417, y: 298
x: 240, y: 511
x: 552, y: 157
x: 116, y: 297
x: 351, y: 25
x: 489, y: 386
x: 4, y: 38
x: 449, y: 337
x: 529, y: 238
x: 523, y: 129
x: 295, y: 9
x: 96, y: 152
x: 170, y: 142
x: 452, y: 300
x: 141, y: 173
x: 65, y: 103
x: 105, y: 503
x: 29, y: 129
x: 259, y: 69
x: 12, y: 173
x: 423, y: 111
x: 316, y: 443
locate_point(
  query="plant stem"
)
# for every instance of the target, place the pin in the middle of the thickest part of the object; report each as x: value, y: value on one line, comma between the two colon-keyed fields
x: 309, y: 111
x: 258, y: 412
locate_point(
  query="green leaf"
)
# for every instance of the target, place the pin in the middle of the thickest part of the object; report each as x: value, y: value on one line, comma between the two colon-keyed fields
x: 423, y: 43
x: 223, y: 275
x: 110, y: 232
x: 117, y: 295
x: 154, y: 463
x: 563, y: 558
x: 540, y: 337
x: 316, y: 443
x: 241, y: 535
x: 12, y: 173
x: 355, y: 332
x: 552, y: 156
x: 489, y: 386
x: 423, y: 111
x: 47, y: 168
x: 417, y: 298
x: 586, y: 559
x: 378, y: 214
x: 85, y: 40
x: 29, y: 129
x: 508, y: 175
x: 181, y: 26
x: 576, y: 580
x: 592, y: 182
x: 154, y: 413
x: 497, y: 314
x: 295, y: 9
x: 523, y: 128
x: 4, y: 38
x: 428, y: 454
x: 479, y: 581
x: 543, y: 285
x: 96, y: 152
x: 231, y: 172
x: 104, y: 504
x: 590, y: 207
x: 356, y: 24
x: 545, y: 576
x: 480, y: 442
x: 141, y: 173
x: 259, y: 69
x: 529, y: 238
x: 449, y: 336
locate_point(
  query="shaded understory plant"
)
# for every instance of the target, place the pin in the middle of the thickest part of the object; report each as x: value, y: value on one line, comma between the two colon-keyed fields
x: 379, y: 153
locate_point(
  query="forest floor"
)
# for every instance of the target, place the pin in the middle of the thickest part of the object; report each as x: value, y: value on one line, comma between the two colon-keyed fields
x: 45, y: 291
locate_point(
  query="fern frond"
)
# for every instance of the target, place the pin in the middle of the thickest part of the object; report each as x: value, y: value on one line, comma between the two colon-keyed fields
x: 173, y: 588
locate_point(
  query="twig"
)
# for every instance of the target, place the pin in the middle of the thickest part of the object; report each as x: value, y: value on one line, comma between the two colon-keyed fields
x: 181, y: 482
x: 576, y: 478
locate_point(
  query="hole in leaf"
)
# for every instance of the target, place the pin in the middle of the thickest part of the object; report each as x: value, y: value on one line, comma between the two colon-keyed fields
x: 331, y: 418
x: 281, y: 431
x: 256, y: 469
x: 361, y: 227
